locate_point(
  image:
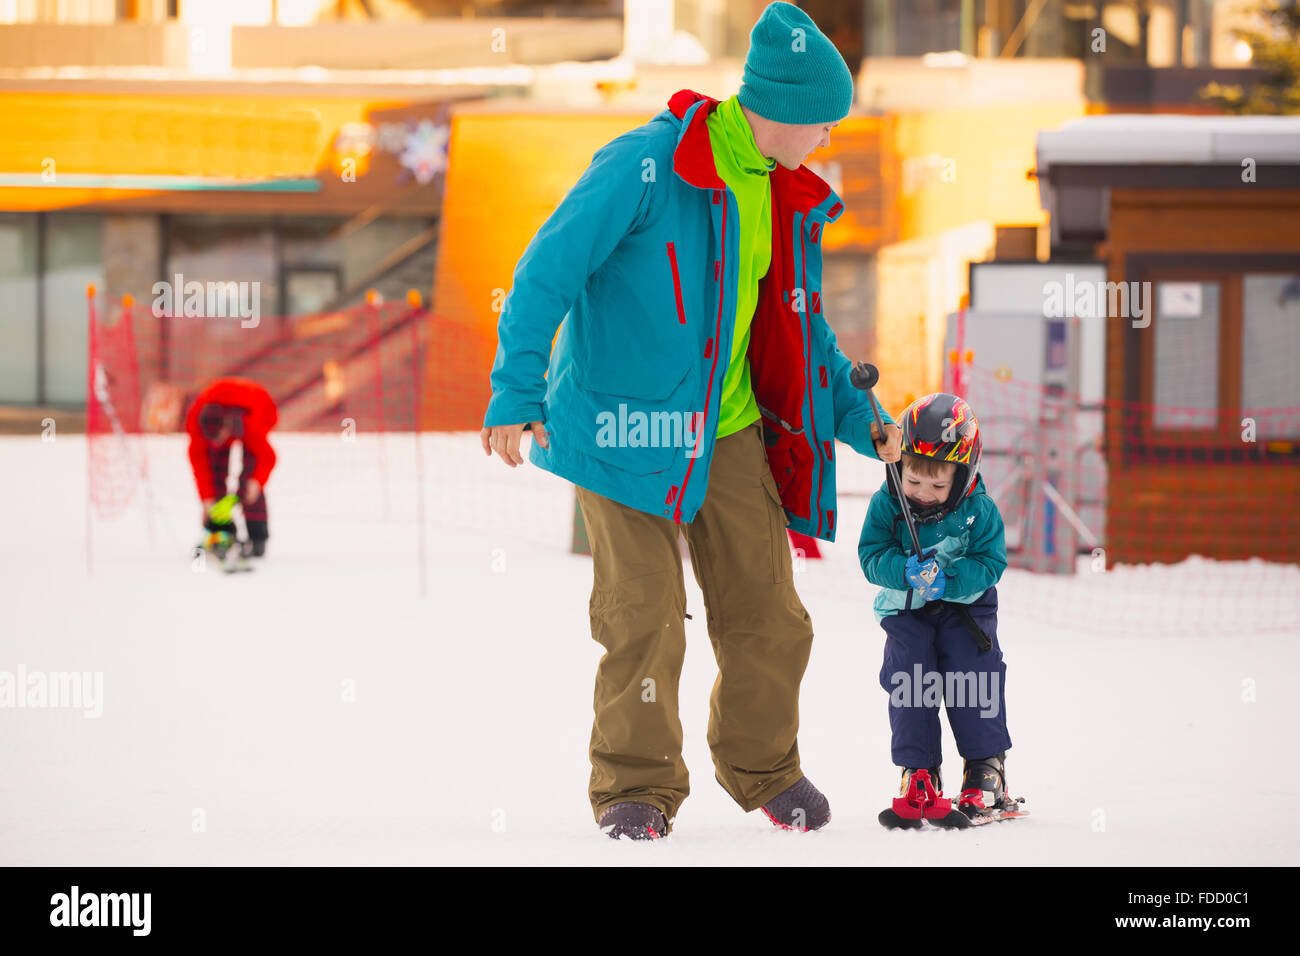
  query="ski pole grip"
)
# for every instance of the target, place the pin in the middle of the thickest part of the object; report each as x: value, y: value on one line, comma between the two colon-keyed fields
x: 864, y: 375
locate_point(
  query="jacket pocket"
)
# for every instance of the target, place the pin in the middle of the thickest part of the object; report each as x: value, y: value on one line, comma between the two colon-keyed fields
x: 633, y: 433
x: 633, y: 376
x: 635, y: 360
x: 632, y: 336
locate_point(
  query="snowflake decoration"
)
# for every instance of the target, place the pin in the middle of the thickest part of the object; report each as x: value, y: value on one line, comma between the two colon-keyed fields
x: 425, y: 154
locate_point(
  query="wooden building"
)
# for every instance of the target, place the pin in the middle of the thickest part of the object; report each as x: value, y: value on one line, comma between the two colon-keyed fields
x: 1199, y: 219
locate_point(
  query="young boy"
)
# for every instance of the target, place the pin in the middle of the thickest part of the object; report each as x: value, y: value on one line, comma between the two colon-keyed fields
x: 939, y: 613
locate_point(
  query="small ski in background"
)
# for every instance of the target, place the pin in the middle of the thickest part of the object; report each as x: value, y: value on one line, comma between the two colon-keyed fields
x: 231, y: 553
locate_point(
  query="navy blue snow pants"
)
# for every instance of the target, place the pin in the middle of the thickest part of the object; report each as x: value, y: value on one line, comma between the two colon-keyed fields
x: 931, y: 655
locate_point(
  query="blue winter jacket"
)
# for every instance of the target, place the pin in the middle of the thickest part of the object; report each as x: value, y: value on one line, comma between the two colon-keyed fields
x: 637, y: 267
x: 969, y: 543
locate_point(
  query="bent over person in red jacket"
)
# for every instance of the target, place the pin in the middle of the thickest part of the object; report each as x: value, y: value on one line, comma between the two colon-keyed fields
x: 233, y: 409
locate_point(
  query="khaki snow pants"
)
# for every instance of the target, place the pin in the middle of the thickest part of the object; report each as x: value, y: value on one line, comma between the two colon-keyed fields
x: 760, y: 631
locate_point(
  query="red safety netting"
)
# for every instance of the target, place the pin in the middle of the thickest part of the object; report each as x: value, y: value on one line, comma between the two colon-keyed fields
x: 116, y: 466
x: 346, y: 383
x: 1141, y: 519
x: 1143, y: 482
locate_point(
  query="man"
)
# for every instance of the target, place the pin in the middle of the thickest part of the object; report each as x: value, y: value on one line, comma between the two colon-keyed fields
x: 233, y: 409
x: 688, y: 260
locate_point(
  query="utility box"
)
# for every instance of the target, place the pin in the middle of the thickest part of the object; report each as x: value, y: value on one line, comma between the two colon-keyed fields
x: 1028, y: 355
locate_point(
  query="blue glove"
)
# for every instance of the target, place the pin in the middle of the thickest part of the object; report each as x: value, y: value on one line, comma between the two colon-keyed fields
x: 925, y: 576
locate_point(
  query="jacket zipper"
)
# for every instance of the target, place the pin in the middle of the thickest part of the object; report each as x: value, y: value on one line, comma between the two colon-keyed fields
x: 807, y: 357
x: 713, y: 369
x: 677, y: 284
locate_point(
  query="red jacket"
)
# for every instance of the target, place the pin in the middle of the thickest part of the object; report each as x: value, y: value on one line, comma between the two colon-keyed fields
x: 261, y: 417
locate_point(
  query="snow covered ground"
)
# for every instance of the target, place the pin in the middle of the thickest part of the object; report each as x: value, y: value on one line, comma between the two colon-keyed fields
x: 321, y: 711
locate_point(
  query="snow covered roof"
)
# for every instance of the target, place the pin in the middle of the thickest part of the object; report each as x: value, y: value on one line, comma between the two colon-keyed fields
x: 1125, y: 139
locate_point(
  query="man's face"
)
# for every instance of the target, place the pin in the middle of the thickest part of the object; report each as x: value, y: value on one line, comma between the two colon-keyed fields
x: 790, y: 144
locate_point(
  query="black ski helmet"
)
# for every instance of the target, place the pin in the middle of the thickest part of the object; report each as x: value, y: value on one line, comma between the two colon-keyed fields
x: 214, y: 418
x: 943, y: 427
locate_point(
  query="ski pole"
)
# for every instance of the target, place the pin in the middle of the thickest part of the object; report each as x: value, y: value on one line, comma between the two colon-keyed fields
x: 865, y: 376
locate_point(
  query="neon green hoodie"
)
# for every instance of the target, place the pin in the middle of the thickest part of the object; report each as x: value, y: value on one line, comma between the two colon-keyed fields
x: 745, y: 170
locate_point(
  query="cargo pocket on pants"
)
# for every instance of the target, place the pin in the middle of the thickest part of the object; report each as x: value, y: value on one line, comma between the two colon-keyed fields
x: 778, y: 522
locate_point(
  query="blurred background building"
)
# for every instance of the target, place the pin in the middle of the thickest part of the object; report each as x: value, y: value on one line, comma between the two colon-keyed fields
x: 303, y: 143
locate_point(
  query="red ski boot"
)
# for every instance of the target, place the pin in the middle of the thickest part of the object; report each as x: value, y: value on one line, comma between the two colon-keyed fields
x: 921, y: 798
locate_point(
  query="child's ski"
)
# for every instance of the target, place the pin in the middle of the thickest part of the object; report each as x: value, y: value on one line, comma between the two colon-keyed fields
x: 922, y: 805
x: 1006, y: 809
x: 893, y: 821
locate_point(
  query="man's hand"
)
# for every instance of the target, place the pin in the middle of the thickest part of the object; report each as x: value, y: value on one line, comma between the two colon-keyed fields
x: 892, y: 449
x: 252, y: 490
x: 505, y: 439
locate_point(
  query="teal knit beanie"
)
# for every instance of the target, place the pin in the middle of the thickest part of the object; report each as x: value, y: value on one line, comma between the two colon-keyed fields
x: 793, y: 73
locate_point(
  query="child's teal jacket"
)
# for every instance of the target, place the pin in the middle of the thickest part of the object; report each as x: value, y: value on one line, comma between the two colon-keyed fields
x: 969, y: 543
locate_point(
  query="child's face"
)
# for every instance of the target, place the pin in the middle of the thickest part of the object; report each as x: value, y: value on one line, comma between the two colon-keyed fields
x: 927, y: 490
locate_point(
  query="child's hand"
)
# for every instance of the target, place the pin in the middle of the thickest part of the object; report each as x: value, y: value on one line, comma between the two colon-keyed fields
x: 925, y: 576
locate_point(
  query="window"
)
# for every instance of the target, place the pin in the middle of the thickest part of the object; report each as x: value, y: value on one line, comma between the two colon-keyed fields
x: 311, y: 288
x: 46, y: 262
x: 1186, y: 327
x: 1218, y: 357
x: 1270, y: 347
x: 19, y: 319
x: 73, y: 260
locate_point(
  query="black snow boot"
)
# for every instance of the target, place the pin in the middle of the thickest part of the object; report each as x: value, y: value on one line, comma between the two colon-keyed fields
x: 799, y: 807
x: 984, y: 787
x: 257, y: 535
x: 636, y: 821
